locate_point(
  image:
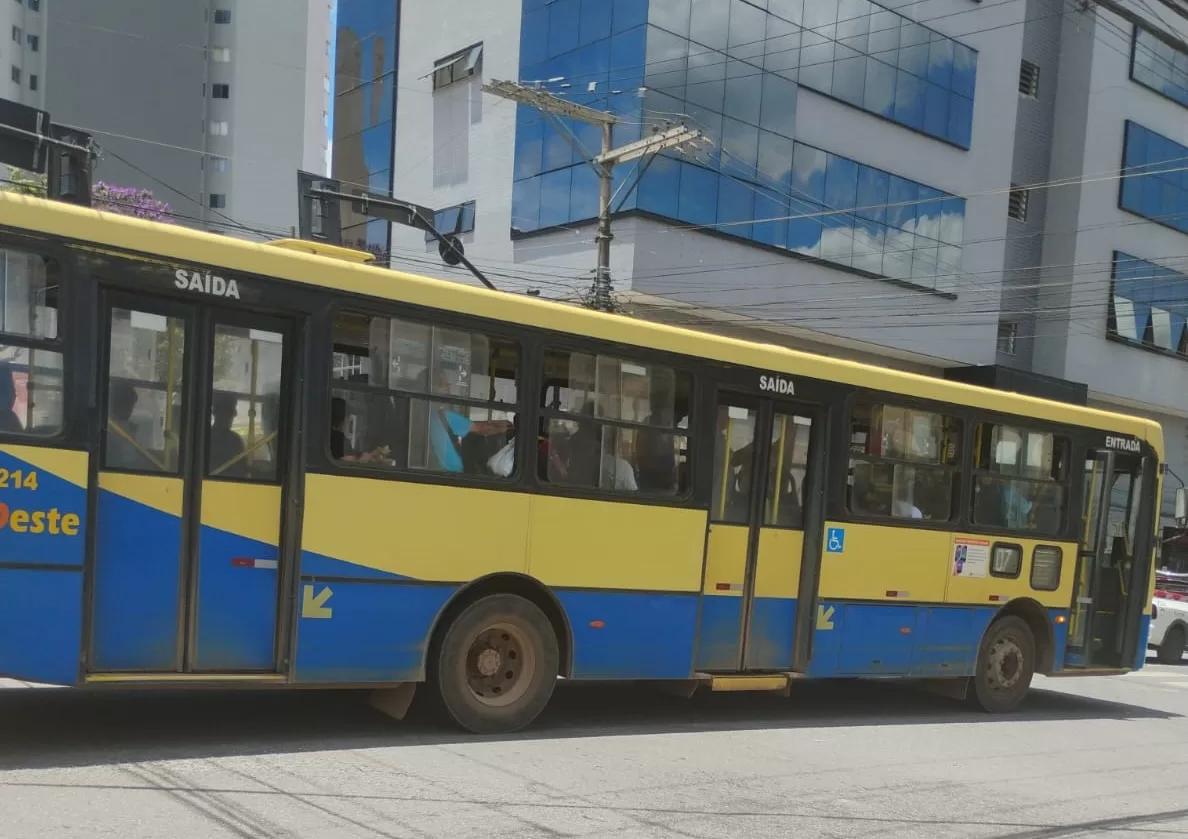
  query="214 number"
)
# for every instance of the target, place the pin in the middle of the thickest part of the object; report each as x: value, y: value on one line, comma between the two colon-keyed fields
x: 17, y: 479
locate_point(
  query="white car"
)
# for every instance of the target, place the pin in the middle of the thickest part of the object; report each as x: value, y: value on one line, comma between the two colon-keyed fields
x: 1169, y: 617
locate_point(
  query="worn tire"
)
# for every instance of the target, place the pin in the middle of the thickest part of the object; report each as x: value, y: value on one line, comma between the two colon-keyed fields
x: 497, y: 664
x: 1006, y: 664
x: 1171, y: 651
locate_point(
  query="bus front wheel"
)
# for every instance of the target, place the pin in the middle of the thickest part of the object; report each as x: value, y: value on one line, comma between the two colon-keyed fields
x: 497, y: 665
x: 1006, y: 663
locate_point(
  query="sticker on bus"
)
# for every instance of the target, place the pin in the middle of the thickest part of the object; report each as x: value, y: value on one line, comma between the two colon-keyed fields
x: 971, y: 557
x: 835, y: 540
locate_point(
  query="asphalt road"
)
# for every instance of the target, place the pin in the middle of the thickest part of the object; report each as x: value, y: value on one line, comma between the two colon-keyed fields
x: 1084, y: 757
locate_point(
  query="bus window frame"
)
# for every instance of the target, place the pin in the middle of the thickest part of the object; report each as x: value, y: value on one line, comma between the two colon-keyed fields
x: 1068, y: 436
x: 66, y: 343
x: 324, y: 352
x: 584, y: 345
x: 956, y: 521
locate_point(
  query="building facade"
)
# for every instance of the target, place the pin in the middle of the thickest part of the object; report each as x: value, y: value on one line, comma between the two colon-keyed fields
x: 937, y: 185
x: 23, y: 49
x: 213, y: 106
x: 364, y: 110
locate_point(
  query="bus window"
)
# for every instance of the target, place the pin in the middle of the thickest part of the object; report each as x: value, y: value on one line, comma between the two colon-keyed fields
x: 734, y: 460
x: 1019, y: 478
x: 415, y: 396
x: 614, y: 424
x: 30, y: 376
x: 903, y: 462
x: 144, y: 392
x: 786, y: 468
x: 242, y: 436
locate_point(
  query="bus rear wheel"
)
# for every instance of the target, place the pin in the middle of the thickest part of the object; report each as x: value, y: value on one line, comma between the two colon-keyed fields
x: 1006, y: 664
x: 497, y: 665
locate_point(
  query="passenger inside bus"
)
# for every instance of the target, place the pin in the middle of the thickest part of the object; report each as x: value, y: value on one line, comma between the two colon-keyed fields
x: 226, y: 456
x: 123, y: 452
x: 9, y: 421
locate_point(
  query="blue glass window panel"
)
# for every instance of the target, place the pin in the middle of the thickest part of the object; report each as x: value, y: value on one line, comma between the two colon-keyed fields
x: 736, y: 207
x: 748, y: 29
x: 672, y: 15
x: 960, y: 120
x: 667, y: 62
x: 771, y: 218
x: 925, y: 262
x: 595, y: 22
x: 791, y: 11
x: 1180, y: 219
x: 878, y: 95
x: 775, y: 161
x: 808, y: 173
x: 853, y: 24
x: 740, y: 148
x: 849, y: 80
x: 529, y: 5
x: 564, y: 22
x: 940, y: 61
x: 837, y: 238
x: 1152, y: 200
x: 707, y: 79
x: 628, y: 57
x: 529, y: 142
x: 629, y: 107
x: 557, y: 150
x: 378, y: 233
x: 710, y: 23
x: 625, y: 186
x: 1169, y: 209
x: 554, y: 197
x: 883, y: 40
x: 660, y: 110
x: 936, y: 110
x: 583, y: 194
x: 744, y: 86
x: 526, y: 205
x: 913, y: 48
x: 778, y: 111
x: 841, y: 183
x: 909, y: 100
x: 534, y: 38
x: 781, y: 52
x: 590, y: 64
x: 821, y: 17
x: 902, y: 199
x: 873, y: 185
x: 699, y: 195
x: 928, y: 213
x: 710, y: 122
x: 816, y: 62
x: 590, y: 138
x: 965, y: 70
x: 805, y: 228
x: 380, y: 181
x: 629, y: 14
x: 377, y: 147
x: 447, y: 220
x: 659, y: 188
x: 953, y: 221
x: 869, y: 241
x: 897, y: 254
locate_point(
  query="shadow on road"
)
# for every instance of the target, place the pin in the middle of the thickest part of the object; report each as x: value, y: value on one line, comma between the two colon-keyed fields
x: 50, y: 728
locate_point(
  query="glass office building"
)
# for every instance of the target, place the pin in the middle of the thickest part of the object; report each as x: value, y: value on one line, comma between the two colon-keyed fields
x: 733, y: 69
x: 365, y: 74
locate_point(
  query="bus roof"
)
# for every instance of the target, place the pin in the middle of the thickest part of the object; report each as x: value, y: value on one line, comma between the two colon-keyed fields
x: 85, y: 225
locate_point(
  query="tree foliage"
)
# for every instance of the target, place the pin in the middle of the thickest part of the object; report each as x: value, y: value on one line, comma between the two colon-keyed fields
x: 125, y: 200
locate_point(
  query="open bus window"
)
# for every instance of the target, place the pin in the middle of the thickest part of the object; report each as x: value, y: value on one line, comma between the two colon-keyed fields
x: 614, y: 424
x: 903, y: 462
x: 30, y: 390
x: 414, y: 396
x: 30, y: 284
x: 1019, y: 479
x: 145, y: 409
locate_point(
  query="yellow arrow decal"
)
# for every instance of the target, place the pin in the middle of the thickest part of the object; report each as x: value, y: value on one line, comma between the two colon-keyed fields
x: 824, y: 617
x: 315, y: 606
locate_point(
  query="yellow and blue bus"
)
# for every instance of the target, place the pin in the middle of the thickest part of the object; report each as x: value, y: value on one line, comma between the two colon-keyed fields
x: 274, y: 465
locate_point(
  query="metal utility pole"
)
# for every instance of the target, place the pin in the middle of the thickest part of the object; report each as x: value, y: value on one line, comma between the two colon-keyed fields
x: 554, y: 107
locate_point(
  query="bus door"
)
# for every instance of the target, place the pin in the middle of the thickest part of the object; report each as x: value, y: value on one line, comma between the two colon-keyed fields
x: 1112, y: 560
x: 755, y: 544
x: 187, y: 564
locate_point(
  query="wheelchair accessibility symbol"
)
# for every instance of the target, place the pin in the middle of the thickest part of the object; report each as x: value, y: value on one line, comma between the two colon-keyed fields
x: 835, y: 540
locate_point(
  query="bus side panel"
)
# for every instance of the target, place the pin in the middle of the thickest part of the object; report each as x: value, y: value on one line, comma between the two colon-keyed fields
x: 639, y: 568
x: 379, y: 560
x: 43, y: 504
